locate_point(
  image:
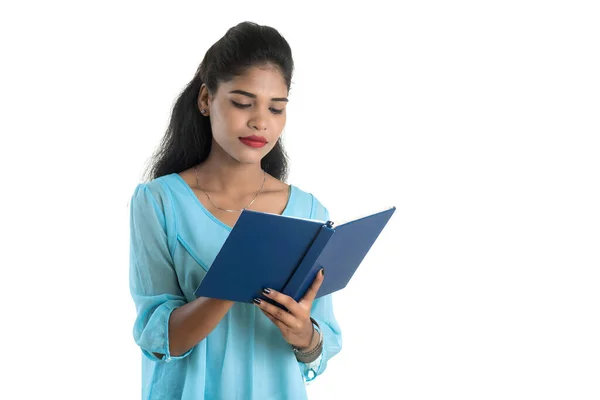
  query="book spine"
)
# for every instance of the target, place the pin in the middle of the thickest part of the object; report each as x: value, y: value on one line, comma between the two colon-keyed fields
x: 306, y: 272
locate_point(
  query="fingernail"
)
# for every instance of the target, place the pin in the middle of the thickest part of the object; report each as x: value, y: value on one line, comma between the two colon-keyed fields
x: 267, y: 291
x: 323, y: 271
x: 257, y: 301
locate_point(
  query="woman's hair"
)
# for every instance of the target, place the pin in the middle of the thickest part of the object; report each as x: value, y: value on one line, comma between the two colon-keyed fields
x: 188, y: 138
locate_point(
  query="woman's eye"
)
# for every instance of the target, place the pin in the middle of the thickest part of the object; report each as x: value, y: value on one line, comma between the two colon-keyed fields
x: 242, y: 106
x: 239, y: 105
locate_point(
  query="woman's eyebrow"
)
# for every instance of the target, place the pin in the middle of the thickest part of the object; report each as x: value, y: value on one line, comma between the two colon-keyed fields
x: 254, y: 96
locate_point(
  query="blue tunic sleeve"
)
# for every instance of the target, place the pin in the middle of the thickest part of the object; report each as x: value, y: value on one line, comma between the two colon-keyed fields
x: 322, y: 312
x: 152, y: 279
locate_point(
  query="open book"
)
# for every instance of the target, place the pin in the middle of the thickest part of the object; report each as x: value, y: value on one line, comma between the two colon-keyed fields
x: 285, y: 253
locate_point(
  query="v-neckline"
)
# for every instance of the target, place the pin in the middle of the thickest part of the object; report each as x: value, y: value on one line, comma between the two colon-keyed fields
x: 291, y: 191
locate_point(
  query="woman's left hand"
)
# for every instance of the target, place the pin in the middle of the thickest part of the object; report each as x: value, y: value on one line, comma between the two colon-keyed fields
x: 295, y: 325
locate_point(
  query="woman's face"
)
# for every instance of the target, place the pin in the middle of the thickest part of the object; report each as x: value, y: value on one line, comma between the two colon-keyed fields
x: 247, y: 114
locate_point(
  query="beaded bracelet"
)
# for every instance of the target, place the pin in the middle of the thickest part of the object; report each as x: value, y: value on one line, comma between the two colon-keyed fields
x: 312, y: 355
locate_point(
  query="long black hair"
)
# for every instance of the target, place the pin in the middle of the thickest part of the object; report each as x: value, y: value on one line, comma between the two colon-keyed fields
x: 188, y: 138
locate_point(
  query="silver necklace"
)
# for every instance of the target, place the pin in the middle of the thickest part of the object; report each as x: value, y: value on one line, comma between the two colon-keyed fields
x: 224, y: 209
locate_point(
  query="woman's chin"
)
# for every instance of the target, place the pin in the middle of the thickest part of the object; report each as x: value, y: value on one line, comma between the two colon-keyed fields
x: 245, y: 157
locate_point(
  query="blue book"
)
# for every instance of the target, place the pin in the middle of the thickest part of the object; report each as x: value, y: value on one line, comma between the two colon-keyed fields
x: 285, y: 253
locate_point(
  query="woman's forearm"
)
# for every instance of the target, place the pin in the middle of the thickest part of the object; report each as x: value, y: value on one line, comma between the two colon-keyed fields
x: 191, y: 323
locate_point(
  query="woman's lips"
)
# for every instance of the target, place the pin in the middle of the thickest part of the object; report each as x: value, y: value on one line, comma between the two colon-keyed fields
x: 254, y: 141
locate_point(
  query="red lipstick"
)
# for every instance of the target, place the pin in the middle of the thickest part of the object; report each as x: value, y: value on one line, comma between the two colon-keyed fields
x: 254, y: 141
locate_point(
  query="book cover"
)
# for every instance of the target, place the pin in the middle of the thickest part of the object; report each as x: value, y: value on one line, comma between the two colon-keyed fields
x: 285, y: 253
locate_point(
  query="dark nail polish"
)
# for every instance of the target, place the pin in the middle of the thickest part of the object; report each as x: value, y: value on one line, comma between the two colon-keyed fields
x: 323, y: 271
x: 257, y: 301
x: 267, y: 291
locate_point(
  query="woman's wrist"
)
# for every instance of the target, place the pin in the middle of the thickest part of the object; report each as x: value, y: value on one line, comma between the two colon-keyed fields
x: 313, y: 351
x: 314, y: 341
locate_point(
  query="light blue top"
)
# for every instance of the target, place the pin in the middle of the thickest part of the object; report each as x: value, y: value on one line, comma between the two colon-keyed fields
x: 174, y: 241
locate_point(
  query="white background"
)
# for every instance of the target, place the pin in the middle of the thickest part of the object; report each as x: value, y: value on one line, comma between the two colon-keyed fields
x: 478, y: 120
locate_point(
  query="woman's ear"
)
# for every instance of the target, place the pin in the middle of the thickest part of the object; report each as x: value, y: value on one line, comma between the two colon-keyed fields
x: 204, y: 101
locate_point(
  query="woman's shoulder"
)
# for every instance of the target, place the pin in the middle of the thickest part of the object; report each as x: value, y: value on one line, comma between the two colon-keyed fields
x: 156, y: 189
x: 162, y: 183
x: 310, y: 202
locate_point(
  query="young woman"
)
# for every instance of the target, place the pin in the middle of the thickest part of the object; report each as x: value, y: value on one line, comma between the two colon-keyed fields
x: 222, y: 153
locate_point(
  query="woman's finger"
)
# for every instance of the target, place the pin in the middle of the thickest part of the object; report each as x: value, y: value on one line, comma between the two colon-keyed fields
x: 274, y: 320
x: 286, y: 318
x: 287, y: 302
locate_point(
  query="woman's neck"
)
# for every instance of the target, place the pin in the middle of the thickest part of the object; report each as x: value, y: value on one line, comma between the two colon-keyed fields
x: 227, y: 175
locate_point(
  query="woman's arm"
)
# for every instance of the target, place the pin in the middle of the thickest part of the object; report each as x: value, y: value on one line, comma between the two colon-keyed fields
x: 167, y: 326
x: 191, y: 323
